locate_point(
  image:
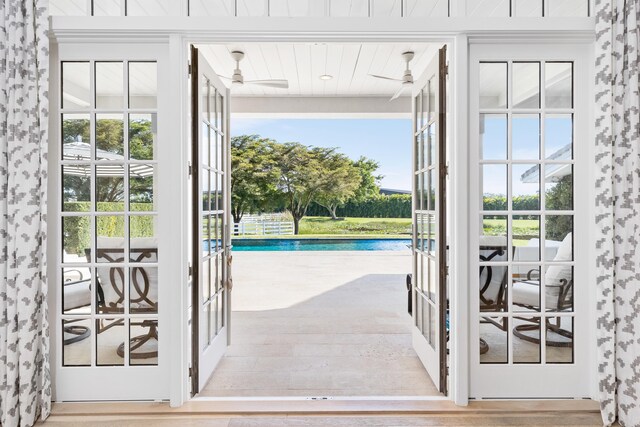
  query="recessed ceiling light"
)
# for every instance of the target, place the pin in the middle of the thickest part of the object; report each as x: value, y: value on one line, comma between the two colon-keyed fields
x: 326, y: 77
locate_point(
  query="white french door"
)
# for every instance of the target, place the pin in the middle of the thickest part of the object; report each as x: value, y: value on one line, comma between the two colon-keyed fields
x: 429, y: 214
x: 110, y: 278
x: 211, y: 198
x: 529, y: 222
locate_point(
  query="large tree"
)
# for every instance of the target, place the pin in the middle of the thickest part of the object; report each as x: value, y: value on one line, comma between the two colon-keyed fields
x: 341, y: 181
x: 369, y: 186
x: 302, y: 176
x: 254, y: 175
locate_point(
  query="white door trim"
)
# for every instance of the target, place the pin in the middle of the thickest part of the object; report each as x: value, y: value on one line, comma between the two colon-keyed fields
x: 179, y: 35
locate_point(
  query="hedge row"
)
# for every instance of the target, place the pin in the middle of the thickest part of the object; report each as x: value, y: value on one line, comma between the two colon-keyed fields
x: 394, y: 206
x: 76, y: 230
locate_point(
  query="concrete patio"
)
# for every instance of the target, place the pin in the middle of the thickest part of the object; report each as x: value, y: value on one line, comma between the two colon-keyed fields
x: 320, y: 324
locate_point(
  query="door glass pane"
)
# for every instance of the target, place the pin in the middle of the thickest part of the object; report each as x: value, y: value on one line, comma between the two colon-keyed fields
x: 525, y: 288
x: 558, y: 137
x: 75, y: 85
x: 109, y: 239
x: 525, y: 140
x: 142, y: 238
x: 143, y: 84
x: 76, y: 188
x: 143, y: 285
x: 493, y: 85
x: 494, y: 187
x: 109, y: 137
x: 426, y: 317
x: 559, y: 238
x: 76, y: 238
x: 76, y: 138
x: 493, y: 136
x: 143, y: 347
x: 559, y: 340
x: 558, y: 286
x: 141, y: 187
x: 526, y: 342
x: 526, y: 84
x: 109, y: 190
x: 526, y: 238
x: 76, y: 350
x: 110, y: 338
x: 109, y: 85
x: 143, y: 133
x: 525, y: 187
x: 205, y: 146
x: 559, y: 84
x: 76, y: 291
x: 494, y: 340
x: 559, y: 186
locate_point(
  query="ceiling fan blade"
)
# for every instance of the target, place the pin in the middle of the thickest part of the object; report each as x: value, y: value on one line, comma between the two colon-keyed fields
x: 225, y: 77
x: 397, y: 94
x: 386, y: 78
x: 283, y: 84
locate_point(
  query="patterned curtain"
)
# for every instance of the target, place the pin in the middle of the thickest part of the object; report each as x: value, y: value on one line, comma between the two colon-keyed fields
x: 618, y: 208
x: 25, y: 382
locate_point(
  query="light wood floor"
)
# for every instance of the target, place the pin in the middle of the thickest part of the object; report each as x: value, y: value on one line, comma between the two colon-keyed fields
x: 328, y: 413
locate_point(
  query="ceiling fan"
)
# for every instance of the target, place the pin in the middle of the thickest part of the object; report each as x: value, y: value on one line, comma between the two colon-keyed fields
x: 238, y: 80
x: 407, y: 78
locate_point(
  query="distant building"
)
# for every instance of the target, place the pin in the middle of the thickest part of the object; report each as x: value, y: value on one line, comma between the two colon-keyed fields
x: 391, y: 192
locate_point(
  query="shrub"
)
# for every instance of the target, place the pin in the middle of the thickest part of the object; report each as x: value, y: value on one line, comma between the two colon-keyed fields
x: 76, y: 232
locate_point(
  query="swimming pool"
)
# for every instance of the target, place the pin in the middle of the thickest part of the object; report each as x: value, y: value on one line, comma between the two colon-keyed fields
x: 321, y: 244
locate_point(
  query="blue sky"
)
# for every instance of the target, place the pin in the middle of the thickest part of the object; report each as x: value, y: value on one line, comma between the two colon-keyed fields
x: 386, y: 140
x: 525, y: 146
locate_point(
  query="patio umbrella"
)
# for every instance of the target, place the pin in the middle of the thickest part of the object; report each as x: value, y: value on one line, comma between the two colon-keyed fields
x: 81, y: 151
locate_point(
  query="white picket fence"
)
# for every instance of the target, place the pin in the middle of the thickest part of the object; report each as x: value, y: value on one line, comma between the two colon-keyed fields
x: 263, y: 225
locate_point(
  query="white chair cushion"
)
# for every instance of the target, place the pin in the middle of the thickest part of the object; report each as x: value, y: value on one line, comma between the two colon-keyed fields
x: 556, y: 273
x: 77, y: 294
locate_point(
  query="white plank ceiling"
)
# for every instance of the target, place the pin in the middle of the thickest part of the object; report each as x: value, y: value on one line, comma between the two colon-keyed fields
x: 302, y: 64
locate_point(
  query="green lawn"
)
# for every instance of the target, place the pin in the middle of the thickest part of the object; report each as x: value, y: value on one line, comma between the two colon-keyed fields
x: 324, y: 227
x: 523, y: 229
x: 349, y: 227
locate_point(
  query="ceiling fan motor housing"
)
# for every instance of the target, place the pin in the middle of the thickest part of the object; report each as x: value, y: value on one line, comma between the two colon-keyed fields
x: 237, y: 77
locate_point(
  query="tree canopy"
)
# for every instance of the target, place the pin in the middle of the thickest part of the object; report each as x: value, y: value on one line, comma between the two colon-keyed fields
x: 267, y: 175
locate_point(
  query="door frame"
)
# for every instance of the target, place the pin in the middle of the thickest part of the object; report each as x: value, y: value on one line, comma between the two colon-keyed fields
x: 178, y: 33
x: 457, y: 47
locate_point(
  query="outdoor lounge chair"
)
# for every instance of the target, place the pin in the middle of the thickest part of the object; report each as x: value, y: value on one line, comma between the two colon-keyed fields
x: 143, y: 289
x: 76, y: 294
x: 558, y: 297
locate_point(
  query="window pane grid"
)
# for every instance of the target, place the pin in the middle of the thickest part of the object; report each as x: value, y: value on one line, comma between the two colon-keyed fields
x: 538, y: 288
x: 107, y: 122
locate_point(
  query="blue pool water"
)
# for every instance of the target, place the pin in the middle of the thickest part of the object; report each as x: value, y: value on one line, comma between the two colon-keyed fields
x: 321, y: 244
